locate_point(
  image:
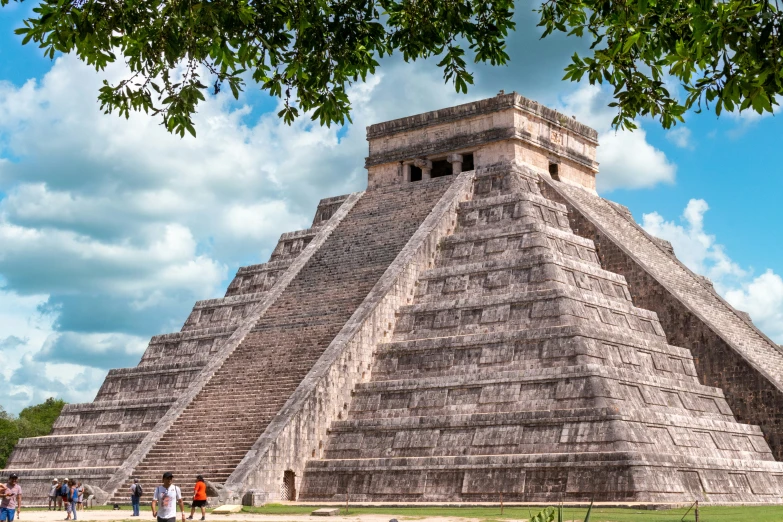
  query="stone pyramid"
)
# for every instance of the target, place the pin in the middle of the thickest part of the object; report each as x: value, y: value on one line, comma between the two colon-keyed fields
x: 523, y: 368
x: 477, y: 322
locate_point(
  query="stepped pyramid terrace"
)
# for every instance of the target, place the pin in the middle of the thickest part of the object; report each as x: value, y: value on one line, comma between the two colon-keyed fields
x: 477, y: 322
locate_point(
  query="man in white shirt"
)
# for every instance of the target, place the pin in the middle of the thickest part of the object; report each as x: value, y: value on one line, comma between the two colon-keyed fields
x: 168, y: 496
x: 53, y: 496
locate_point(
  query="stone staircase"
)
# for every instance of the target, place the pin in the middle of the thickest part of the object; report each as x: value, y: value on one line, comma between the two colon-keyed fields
x: 523, y: 368
x: 221, y: 424
x: 90, y: 441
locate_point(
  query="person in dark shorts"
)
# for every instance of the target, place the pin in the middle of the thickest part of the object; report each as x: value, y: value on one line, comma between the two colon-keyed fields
x: 64, y: 494
x: 199, y: 498
x: 165, y: 500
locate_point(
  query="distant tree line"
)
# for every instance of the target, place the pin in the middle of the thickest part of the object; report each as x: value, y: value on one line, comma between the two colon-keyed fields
x: 32, y: 421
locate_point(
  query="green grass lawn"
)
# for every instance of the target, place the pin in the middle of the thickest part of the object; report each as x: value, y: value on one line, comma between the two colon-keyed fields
x: 600, y: 514
x: 492, y: 514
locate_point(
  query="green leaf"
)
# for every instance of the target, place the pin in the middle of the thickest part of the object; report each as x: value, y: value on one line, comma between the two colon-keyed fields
x: 631, y: 41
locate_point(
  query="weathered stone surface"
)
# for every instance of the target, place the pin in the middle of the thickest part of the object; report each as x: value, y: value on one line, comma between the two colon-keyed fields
x: 494, y: 327
x: 527, y: 370
x: 132, y: 401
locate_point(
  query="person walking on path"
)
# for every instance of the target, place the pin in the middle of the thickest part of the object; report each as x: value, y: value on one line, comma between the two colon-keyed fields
x: 136, y: 492
x: 11, y: 503
x: 199, y: 498
x: 53, y: 495
x: 167, y: 497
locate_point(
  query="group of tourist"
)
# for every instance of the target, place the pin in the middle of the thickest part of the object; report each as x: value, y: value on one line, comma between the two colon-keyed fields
x: 167, y: 496
x: 10, y: 499
x: 69, y: 494
x: 66, y: 494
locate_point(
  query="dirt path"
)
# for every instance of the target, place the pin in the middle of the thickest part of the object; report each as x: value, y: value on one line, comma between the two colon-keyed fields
x: 146, y: 516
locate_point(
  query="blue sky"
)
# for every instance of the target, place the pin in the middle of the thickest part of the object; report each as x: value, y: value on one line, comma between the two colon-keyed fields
x: 111, y: 229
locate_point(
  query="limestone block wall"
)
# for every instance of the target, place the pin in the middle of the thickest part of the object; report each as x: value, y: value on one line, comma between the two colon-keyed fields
x: 223, y: 311
x: 291, y: 244
x: 533, y: 350
x: 326, y: 209
x: 298, y: 431
x: 148, y: 381
x: 72, y: 451
x: 257, y: 278
x: 729, y: 352
x: 191, y: 345
x: 132, y: 401
x: 111, y: 416
x: 36, y: 482
x: 121, y: 475
x: 526, y: 129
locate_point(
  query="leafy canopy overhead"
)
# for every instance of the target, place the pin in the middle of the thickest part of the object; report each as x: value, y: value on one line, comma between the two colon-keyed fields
x: 726, y: 54
x: 307, y: 53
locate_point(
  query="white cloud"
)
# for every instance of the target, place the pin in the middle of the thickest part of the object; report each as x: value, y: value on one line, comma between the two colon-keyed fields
x: 744, y: 120
x: 112, y: 228
x: 681, y: 137
x: 626, y: 159
x: 760, y: 296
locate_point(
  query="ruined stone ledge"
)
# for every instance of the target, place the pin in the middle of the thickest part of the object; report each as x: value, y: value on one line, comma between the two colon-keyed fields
x: 82, y: 439
x: 590, y: 332
x: 125, y: 404
x: 486, y: 106
x: 195, y: 334
x: 264, y: 267
x: 537, y: 375
x: 542, y: 418
x: 476, y: 139
x: 48, y: 473
x: 516, y: 229
x: 229, y: 301
x: 538, y: 296
x: 326, y: 209
x: 604, y: 476
x: 595, y: 460
x: 506, y: 199
x: 523, y: 261
x: 165, y: 368
x: 298, y: 234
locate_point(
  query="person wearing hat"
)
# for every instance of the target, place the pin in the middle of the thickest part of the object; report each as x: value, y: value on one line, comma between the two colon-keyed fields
x: 11, y: 503
x: 64, y: 493
x: 53, y: 495
x: 199, y: 498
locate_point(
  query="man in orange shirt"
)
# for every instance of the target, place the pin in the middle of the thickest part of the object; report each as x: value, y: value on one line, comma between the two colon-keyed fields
x: 199, y: 498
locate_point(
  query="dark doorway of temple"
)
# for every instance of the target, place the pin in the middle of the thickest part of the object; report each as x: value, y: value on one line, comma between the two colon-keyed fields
x: 288, y: 491
x: 554, y: 171
x: 467, y: 162
x: 441, y: 168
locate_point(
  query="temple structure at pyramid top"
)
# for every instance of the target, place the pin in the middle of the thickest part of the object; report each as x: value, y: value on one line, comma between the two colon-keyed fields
x: 477, y: 322
x: 507, y: 128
